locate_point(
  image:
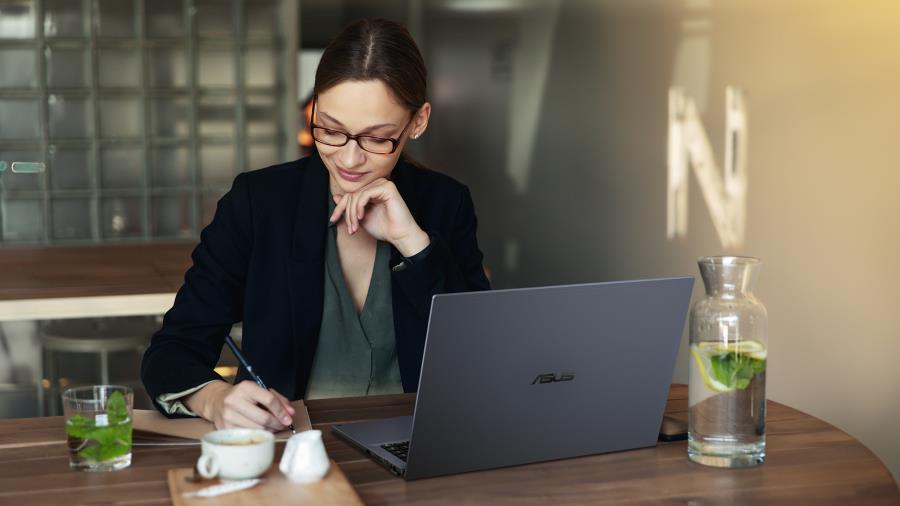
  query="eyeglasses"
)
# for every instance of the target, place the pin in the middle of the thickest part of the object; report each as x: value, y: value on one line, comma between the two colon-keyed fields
x: 370, y: 143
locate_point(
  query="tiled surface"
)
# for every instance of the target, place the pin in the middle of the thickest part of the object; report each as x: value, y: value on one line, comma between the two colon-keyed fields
x: 133, y: 106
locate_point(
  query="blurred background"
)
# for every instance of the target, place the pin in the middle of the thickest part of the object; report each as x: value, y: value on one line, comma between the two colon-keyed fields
x: 128, y: 119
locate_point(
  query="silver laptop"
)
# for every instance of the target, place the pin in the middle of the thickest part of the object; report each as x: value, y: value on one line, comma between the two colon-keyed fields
x: 527, y: 375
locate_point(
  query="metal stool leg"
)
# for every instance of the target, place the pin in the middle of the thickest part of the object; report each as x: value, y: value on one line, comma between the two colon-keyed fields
x: 104, y: 367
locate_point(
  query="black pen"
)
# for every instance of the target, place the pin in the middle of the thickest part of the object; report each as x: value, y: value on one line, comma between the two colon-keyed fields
x: 237, y: 353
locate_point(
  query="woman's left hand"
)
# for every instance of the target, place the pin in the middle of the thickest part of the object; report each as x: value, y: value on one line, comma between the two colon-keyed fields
x: 380, y: 210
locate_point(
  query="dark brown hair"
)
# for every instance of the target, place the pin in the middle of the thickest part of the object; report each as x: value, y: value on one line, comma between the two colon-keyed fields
x: 375, y: 48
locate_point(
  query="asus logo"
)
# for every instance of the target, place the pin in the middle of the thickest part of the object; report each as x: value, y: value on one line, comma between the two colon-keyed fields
x: 552, y: 378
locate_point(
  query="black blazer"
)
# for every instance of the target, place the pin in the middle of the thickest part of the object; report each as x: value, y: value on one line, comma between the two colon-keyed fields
x: 261, y: 261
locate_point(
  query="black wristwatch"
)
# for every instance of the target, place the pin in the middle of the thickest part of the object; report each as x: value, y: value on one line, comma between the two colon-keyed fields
x: 418, y: 257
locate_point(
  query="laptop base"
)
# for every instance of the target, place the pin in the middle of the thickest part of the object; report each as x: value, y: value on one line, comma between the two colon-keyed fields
x: 368, y: 437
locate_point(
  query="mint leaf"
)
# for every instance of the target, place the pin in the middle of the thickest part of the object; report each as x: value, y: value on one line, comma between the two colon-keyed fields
x: 102, y: 443
x: 116, y: 409
x: 758, y: 366
x: 118, y: 444
x: 103, y: 435
x: 735, y: 370
x: 745, y: 370
x: 722, y: 369
x: 79, y: 426
x: 107, y: 442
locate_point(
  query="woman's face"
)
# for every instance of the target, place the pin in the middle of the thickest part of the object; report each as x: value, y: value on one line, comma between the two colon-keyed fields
x: 363, y: 108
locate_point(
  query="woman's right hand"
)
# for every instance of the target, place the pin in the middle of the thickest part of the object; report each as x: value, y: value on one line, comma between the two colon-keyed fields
x: 245, y: 405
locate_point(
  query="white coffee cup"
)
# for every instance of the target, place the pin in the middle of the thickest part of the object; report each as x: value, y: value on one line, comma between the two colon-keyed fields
x: 236, y: 454
x: 304, y: 459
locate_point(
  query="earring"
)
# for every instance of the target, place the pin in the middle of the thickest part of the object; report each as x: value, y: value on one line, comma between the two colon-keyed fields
x: 415, y: 136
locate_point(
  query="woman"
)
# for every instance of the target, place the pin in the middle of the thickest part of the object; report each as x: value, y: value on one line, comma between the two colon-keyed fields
x: 330, y: 261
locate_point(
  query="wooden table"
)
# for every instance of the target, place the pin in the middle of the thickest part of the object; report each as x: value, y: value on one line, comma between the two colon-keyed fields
x: 809, y: 462
x: 89, y: 281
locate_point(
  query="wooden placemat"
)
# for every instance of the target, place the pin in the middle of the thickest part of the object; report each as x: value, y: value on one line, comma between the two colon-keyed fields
x: 333, y: 489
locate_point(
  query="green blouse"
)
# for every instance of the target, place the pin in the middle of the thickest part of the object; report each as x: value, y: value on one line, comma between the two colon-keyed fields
x: 357, y: 353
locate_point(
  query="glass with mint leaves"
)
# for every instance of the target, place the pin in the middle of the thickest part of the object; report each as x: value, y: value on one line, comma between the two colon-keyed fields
x: 98, y: 426
x: 729, y: 348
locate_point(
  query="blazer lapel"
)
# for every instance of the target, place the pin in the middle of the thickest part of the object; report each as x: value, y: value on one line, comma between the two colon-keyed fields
x: 309, y: 230
x: 306, y: 267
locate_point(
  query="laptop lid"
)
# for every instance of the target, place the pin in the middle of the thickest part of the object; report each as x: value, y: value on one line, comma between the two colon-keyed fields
x: 526, y: 375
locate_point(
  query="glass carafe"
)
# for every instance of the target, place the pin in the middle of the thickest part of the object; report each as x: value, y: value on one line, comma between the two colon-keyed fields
x: 729, y: 345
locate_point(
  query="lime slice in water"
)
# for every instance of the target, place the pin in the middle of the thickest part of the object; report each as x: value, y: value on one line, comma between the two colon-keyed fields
x: 703, y: 366
x: 729, y: 366
x: 752, y: 349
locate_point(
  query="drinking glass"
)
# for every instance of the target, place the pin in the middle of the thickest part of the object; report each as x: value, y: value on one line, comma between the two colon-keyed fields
x: 98, y: 426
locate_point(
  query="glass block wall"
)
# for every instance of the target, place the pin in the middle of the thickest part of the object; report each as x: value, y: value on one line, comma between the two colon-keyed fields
x: 141, y: 112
